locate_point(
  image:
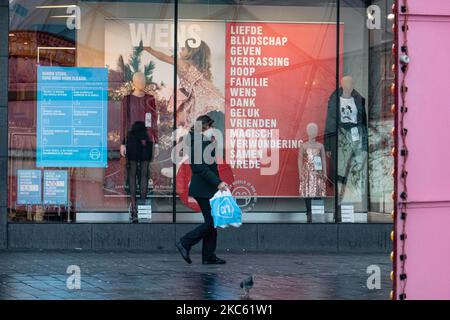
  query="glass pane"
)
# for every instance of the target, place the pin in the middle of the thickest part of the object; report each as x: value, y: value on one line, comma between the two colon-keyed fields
x: 264, y: 72
x: 81, y: 86
x: 364, y: 118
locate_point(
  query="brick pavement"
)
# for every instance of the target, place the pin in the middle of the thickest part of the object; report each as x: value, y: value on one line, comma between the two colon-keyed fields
x: 140, y: 275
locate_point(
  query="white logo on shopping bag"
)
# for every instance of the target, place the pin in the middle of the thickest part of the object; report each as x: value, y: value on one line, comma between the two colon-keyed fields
x: 226, y: 209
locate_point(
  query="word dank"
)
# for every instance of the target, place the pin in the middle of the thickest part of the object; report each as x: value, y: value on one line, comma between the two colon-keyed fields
x: 243, y: 102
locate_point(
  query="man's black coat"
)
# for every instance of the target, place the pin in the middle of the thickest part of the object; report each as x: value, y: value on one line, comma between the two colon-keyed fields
x: 205, y: 175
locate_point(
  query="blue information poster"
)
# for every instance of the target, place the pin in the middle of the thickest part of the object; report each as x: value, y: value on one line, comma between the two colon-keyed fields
x: 55, y: 187
x: 72, y: 113
x: 29, y: 187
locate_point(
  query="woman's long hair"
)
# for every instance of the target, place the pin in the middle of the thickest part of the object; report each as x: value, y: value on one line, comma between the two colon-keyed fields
x: 200, y: 57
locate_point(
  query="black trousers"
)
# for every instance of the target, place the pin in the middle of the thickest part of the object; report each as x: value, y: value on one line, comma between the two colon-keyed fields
x: 205, y: 232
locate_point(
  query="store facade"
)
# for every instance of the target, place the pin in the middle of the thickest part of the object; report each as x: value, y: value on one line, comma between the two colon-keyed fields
x: 299, y: 91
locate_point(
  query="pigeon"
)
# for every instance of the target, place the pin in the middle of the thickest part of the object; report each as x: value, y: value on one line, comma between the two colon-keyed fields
x: 246, y: 285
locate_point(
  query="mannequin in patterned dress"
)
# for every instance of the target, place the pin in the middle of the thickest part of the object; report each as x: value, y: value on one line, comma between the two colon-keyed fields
x: 312, y: 168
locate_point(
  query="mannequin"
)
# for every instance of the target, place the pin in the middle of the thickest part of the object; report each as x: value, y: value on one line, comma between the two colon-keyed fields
x: 350, y: 126
x: 139, y: 138
x: 312, y: 168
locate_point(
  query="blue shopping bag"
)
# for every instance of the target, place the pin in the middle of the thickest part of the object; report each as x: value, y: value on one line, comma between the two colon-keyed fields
x: 225, y: 210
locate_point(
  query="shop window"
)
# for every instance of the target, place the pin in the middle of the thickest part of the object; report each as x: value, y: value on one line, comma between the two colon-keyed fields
x: 298, y: 91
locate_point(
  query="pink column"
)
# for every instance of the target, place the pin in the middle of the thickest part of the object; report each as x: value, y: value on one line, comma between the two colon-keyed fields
x: 428, y: 139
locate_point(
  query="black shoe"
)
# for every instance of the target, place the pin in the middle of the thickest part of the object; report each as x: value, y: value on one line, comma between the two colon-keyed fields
x: 214, y: 260
x: 184, y: 252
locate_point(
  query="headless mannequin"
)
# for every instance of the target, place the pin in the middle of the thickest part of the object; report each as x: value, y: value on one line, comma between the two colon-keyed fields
x: 312, y: 131
x: 139, y: 86
x: 347, y: 86
x: 347, y: 89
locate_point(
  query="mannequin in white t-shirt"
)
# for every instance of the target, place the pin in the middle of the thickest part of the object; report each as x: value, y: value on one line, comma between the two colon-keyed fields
x: 346, y: 137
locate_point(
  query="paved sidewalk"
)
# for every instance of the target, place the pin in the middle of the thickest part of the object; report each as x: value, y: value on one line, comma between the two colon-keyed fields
x: 126, y: 275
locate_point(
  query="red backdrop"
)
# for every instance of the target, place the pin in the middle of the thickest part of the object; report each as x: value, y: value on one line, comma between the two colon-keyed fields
x: 296, y: 94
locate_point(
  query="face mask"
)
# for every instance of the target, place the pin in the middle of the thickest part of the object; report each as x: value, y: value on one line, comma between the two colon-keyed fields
x: 208, y: 134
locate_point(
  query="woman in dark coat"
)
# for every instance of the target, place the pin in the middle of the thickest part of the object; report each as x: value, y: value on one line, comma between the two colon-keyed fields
x: 205, y: 182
